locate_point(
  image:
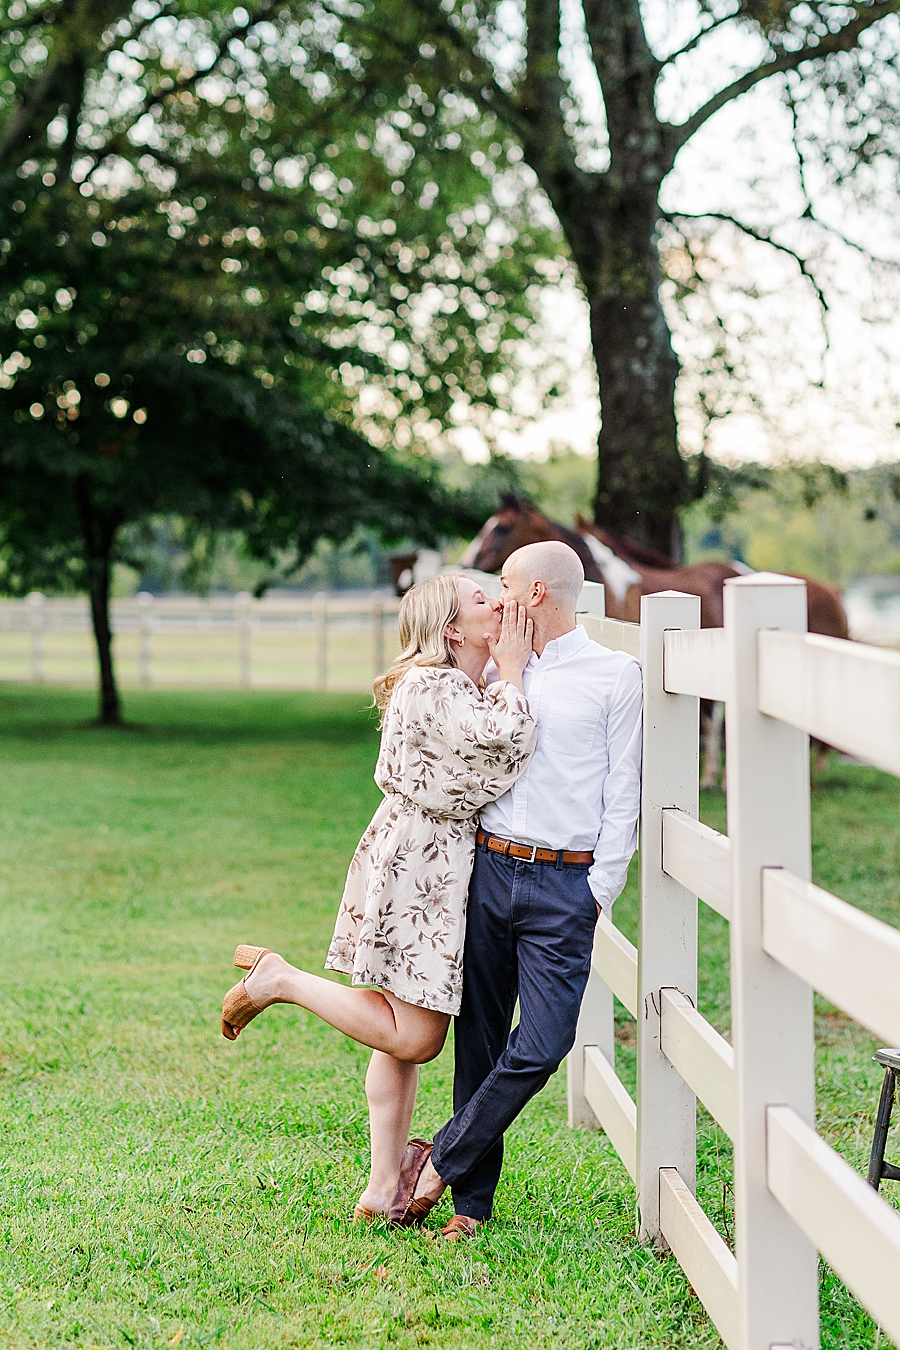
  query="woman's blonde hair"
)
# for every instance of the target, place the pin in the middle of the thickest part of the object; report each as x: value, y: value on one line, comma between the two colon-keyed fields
x: 425, y: 612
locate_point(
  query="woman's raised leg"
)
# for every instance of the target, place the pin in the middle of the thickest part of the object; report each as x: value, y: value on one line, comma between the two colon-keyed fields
x: 371, y: 1016
x: 391, y: 1093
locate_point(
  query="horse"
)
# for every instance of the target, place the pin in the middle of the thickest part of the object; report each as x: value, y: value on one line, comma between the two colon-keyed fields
x: 627, y: 579
x: 401, y: 566
x: 824, y: 607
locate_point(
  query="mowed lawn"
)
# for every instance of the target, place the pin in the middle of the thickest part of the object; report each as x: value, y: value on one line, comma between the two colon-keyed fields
x: 160, y: 1186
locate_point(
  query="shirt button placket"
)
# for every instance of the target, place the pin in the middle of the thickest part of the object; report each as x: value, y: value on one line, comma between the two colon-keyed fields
x: 520, y: 801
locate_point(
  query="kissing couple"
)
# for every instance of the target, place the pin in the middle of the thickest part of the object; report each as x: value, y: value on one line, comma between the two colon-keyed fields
x: 510, y: 767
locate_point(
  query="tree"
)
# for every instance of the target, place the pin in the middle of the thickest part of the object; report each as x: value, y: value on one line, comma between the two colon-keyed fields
x: 839, y: 62
x: 128, y: 406
x: 167, y: 356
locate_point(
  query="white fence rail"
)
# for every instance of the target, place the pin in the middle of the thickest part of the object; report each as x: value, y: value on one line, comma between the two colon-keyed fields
x: 319, y: 642
x: 794, y: 1196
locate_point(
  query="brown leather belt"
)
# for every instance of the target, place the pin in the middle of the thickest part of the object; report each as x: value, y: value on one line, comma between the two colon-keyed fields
x: 530, y: 852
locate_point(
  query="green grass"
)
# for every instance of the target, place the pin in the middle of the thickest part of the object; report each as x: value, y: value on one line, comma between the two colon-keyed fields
x: 159, y: 1186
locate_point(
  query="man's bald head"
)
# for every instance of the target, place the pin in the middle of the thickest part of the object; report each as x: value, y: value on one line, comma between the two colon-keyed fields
x: 554, y: 564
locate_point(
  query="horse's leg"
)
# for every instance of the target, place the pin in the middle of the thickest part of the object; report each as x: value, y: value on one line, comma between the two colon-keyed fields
x: 713, y: 721
x: 820, y: 755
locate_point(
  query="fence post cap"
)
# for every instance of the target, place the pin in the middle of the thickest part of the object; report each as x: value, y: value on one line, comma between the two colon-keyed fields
x: 670, y: 595
x: 764, y: 579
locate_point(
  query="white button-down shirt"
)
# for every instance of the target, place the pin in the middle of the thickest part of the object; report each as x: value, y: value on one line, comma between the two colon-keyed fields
x: 582, y: 789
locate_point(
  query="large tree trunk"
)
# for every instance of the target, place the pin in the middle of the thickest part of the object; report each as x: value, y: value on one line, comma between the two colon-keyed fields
x: 610, y: 223
x: 99, y: 534
x: 641, y: 478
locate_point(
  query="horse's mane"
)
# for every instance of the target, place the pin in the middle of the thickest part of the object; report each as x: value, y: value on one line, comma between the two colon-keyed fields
x: 639, y: 555
x: 511, y: 501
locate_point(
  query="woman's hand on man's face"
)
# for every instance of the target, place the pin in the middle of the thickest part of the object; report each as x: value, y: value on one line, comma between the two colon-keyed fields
x: 512, y: 650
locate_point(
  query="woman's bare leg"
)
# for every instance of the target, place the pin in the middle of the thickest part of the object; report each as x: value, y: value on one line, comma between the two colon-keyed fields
x: 377, y: 1019
x: 391, y: 1092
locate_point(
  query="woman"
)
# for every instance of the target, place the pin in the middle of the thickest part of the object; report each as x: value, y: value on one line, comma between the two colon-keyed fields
x: 447, y: 748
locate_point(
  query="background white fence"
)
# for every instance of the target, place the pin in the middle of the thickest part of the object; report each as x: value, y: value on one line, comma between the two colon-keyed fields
x: 323, y: 641
x: 794, y: 1195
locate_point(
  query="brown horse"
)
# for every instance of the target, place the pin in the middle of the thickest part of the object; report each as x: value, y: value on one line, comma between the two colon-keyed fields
x: 824, y: 607
x: 518, y: 523
x: 620, y: 564
x: 626, y: 578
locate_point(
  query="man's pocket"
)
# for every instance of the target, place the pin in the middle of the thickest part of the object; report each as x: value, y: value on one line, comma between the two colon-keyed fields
x: 571, y: 727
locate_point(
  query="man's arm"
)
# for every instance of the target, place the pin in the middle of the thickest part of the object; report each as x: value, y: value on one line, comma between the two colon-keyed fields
x: 622, y: 790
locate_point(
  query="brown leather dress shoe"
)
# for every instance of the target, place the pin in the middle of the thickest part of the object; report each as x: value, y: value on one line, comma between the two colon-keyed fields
x: 459, y: 1227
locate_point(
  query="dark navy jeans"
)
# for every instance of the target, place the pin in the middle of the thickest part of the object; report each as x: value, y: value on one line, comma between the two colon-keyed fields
x: 529, y: 933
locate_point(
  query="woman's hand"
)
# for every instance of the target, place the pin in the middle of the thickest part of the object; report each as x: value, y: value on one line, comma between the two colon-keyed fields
x: 512, y: 650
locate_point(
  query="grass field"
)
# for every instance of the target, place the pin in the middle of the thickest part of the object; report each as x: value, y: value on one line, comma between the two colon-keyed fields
x: 159, y: 1186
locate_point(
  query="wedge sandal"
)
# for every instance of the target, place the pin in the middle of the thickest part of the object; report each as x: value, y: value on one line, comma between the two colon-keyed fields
x: 238, y: 1008
x: 408, y: 1209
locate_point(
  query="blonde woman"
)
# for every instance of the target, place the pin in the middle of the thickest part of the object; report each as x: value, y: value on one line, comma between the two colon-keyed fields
x: 448, y: 747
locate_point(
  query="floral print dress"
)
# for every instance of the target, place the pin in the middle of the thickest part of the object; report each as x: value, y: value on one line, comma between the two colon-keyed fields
x: 446, y: 750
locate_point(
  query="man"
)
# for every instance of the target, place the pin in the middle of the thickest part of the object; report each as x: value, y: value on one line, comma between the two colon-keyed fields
x: 552, y: 853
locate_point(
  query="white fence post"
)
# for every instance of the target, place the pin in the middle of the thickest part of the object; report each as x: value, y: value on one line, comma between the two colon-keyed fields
x: 38, y: 615
x: 321, y: 614
x: 377, y: 636
x: 667, y: 945
x: 767, y: 770
x: 245, y: 640
x: 596, y: 1021
x: 145, y: 652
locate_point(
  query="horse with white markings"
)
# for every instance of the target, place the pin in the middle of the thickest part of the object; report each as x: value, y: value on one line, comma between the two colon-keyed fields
x: 629, y: 571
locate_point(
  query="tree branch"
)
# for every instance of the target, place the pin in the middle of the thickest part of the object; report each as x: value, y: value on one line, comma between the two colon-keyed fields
x: 698, y: 37
x: 761, y: 237
x: 842, y: 41
x: 546, y: 142
x: 619, y: 47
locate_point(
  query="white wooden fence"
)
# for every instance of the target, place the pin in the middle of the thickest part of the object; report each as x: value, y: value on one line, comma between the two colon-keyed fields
x: 287, y: 642
x: 794, y: 1195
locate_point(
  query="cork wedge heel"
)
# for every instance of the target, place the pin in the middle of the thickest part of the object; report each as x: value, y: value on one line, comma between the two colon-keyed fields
x: 238, y: 1008
x: 246, y: 957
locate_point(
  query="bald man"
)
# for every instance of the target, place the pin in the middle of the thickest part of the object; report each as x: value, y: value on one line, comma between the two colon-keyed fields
x: 551, y: 854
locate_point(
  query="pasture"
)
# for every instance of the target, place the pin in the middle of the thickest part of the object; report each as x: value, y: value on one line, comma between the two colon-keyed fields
x: 159, y: 1186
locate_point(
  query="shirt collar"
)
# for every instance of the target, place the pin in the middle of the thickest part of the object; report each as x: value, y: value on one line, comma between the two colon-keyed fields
x: 561, y: 648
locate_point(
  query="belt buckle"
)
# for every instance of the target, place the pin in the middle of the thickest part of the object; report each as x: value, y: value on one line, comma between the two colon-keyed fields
x: 533, y: 854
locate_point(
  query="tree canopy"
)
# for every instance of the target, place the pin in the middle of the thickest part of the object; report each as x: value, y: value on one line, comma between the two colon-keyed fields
x: 423, y: 283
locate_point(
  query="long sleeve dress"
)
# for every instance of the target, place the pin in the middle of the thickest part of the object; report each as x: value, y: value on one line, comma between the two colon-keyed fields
x: 446, y: 750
